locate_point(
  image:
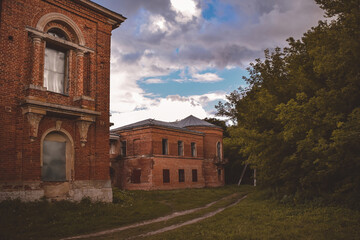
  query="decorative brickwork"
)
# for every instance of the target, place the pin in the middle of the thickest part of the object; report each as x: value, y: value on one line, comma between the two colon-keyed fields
x: 67, y: 109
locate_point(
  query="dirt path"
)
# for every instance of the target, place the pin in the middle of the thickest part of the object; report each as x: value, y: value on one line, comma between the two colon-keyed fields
x: 160, y: 219
x: 195, y: 220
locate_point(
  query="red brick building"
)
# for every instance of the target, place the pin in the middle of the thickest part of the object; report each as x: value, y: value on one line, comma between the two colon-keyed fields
x: 152, y: 154
x: 54, y: 101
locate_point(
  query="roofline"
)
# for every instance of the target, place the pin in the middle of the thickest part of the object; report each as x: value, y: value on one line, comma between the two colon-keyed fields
x: 204, y: 126
x: 185, y: 130
x: 116, y: 18
x: 114, y: 136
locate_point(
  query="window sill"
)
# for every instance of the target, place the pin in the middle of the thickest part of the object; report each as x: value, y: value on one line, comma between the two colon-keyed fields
x: 55, y: 181
x: 62, y: 94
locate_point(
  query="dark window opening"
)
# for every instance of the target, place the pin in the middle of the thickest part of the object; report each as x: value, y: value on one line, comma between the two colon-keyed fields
x: 180, y: 148
x: 193, y: 149
x: 219, y: 174
x: 135, y: 177
x: 136, y: 147
x: 218, y: 147
x: 181, y: 175
x: 123, y: 148
x: 165, y: 146
x: 166, y: 175
x: 194, y: 175
x: 56, y: 32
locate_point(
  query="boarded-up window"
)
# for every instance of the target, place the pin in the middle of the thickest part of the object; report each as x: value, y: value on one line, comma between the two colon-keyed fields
x: 54, y: 161
x: 181, y: 175
x: 194, y: 175
x: 166, y: 175
x: 193, y: 149
x: 180, y: 148
x: 135, y: 176
x: 165, y: 146
x: 123, y: 148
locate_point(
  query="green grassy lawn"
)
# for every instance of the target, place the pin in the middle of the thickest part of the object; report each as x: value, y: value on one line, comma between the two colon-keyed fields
x: 134, y: 232
x: 53, y: 220
x: 255, y: 218
x: 252, y: 218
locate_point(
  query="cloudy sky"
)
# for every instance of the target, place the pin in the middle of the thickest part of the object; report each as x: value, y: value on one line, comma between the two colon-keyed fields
x: 173, y: 58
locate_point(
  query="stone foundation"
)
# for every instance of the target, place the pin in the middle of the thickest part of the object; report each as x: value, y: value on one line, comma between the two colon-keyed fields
x: 96, y: 190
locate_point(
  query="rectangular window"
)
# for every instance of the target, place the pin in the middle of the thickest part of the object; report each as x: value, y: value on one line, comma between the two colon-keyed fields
x: 180, y: 148
x: 219, y: 174
x: 181, y: 175
x: 166, y: 175
x: 194, y: 175
x: 135, y: 176
x: 193, y: 149
x: 123, y: 148
x: 112, y: 147
x: 165, y: 146
x: 54, y: 70
x: 136, y: 147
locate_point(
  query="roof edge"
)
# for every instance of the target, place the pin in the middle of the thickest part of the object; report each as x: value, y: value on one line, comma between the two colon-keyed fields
x: 148, y: 125
x: 116, y: 17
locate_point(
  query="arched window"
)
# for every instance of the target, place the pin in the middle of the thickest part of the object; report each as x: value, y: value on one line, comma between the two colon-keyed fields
x: 56, y: 157
x: 55, y: 64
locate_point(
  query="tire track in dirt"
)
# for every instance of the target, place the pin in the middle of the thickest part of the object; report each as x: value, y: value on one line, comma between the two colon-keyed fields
x: 195, y: 220
x: 156, y: 220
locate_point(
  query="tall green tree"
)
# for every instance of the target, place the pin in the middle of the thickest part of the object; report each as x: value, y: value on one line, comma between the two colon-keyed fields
x: 298, y: 121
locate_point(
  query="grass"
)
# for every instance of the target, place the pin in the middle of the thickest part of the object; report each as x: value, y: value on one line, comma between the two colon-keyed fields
x: 252, y: 218
x: 255, y: 218
x: 54, y: 220
x: 155, y: 226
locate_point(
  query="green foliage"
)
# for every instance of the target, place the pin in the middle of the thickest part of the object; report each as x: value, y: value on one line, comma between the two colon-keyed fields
x: 298, y: 121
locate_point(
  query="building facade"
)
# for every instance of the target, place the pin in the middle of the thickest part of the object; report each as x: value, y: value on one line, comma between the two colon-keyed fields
x: 152, y: 154
x: 54, y: 101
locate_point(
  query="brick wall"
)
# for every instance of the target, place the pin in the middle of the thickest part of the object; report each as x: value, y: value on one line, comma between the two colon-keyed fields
x: 144, y: 152
x: 20, y: 157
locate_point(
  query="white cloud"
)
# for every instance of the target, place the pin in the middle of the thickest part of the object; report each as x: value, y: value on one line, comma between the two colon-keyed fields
x: 166, y: 110
x: 171, y: 108
x: 153, y: 81
x: 186, y: 9
x: 206, y: 77
x: 156, y: 23
x: 162, y: 37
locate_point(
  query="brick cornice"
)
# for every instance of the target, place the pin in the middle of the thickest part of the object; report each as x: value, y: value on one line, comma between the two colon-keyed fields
x: 29, y: 105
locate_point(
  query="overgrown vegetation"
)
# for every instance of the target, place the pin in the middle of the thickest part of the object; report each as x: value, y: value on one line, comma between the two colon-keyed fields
x: 256, y: 218
x: 53, y: 220
x: 298, y: 122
